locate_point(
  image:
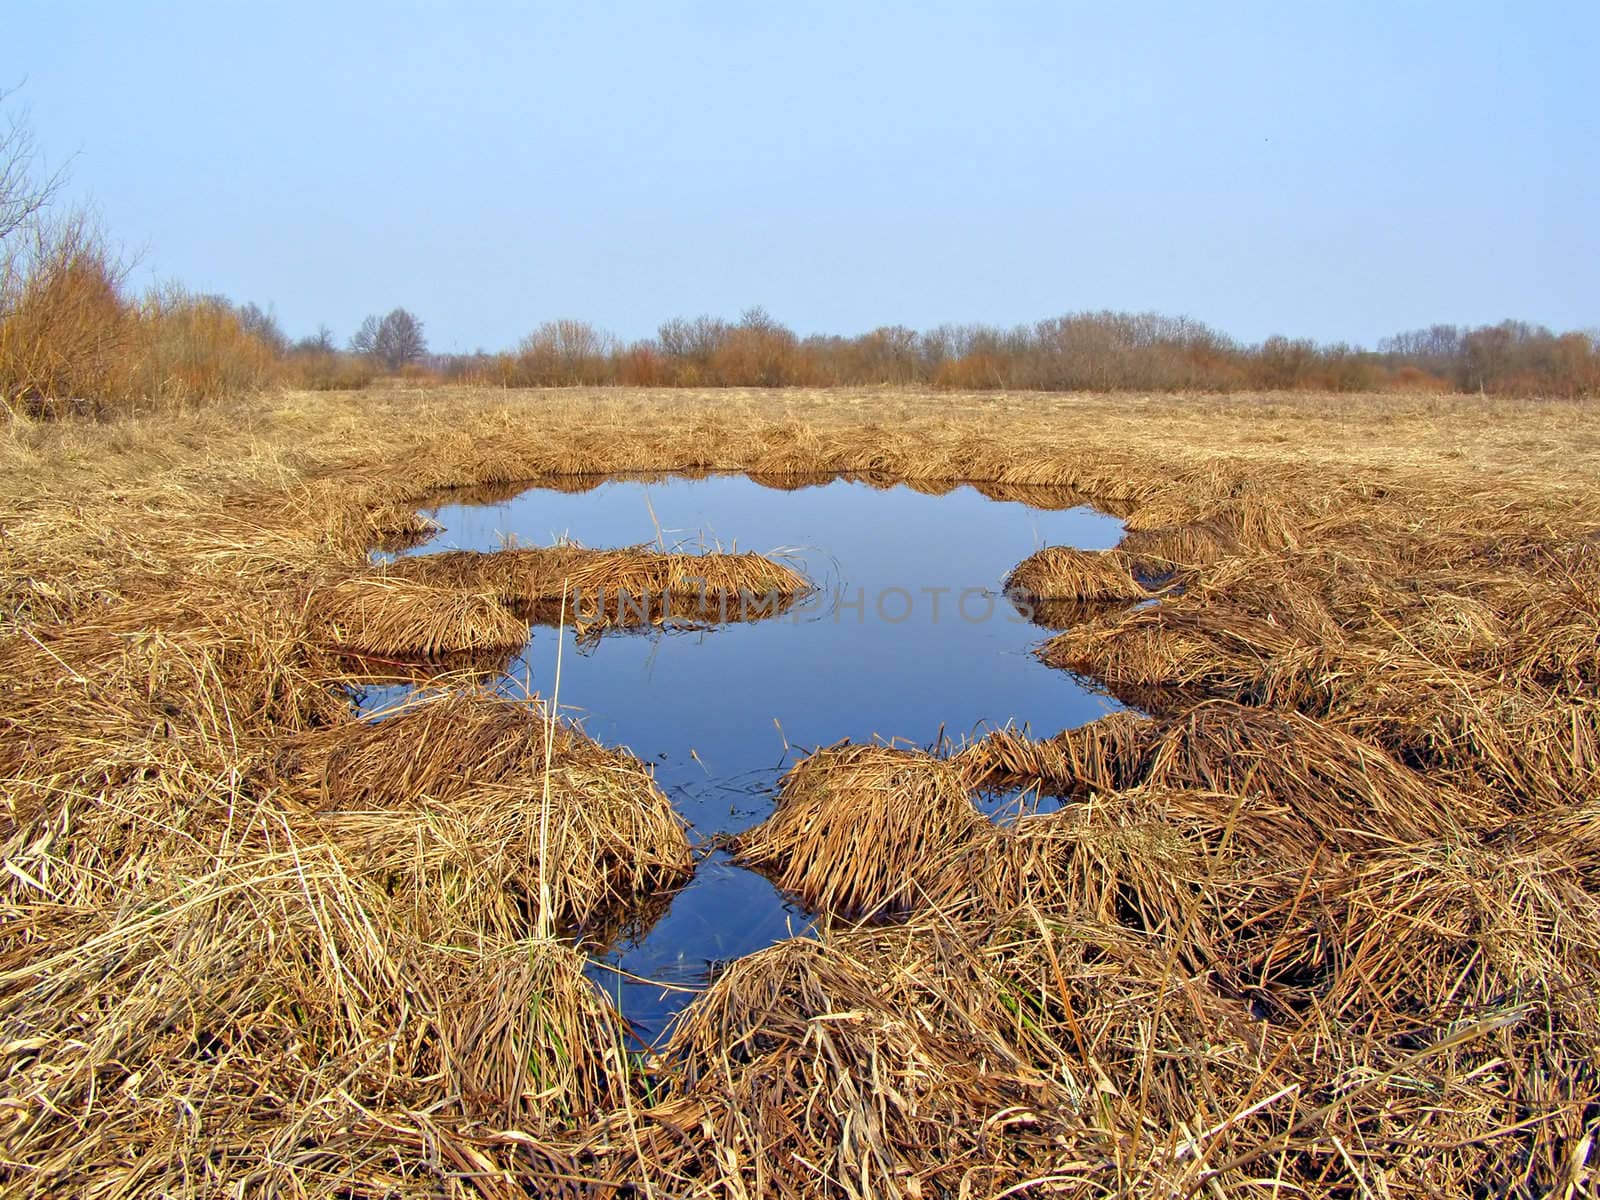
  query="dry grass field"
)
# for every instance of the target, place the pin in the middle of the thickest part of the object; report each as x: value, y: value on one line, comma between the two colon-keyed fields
x: 1324, y: 921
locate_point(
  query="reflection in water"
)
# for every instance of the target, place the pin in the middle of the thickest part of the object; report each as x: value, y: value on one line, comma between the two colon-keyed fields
x: 908, y: 636
x: 1006, y: 805
x: 1065, y: 614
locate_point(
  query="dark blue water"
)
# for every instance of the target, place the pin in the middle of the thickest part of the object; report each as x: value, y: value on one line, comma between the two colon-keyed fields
x: 908, y: 638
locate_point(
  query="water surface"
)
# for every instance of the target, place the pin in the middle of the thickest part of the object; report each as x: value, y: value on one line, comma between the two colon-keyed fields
x: 908, y: 638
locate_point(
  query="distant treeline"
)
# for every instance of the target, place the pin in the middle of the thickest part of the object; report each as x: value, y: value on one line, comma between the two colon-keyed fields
x: 1092, y: 351
x: 73, y: 339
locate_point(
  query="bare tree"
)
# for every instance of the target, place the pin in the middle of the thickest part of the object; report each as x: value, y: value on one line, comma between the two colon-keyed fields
x: 693, y: 340
x: 320, y: 342
x: 757, y: 319
x: 400, y: 339
x: 365, y: 339
x: 394, y: 340
x: 262, y: 325
x: 24, y: 193
x: 566, y: 352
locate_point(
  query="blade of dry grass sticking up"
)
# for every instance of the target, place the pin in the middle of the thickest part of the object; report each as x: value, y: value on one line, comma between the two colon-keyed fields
x: 546, y: 910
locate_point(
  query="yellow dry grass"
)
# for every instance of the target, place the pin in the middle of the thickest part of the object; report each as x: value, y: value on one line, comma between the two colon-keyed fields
x: 442, y: 804
x: 1063, y: 573
x: 1322, y: 926
x: 599, y: 590
x: 402, y: 618
x: 870, y: 831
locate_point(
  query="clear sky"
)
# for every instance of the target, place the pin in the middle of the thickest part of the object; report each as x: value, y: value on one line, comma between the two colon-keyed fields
x: 1335, y: 170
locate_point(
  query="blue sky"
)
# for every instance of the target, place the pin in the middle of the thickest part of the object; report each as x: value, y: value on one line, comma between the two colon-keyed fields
x: 1339, y: 171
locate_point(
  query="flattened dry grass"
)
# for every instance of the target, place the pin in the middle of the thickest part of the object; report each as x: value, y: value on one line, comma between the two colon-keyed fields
x: 1164, y: 550
x: 1062, y: 573
x: 1065, y: 614
x: 442, y: 804
x: 532, y: 576
x: 1353, y: 793
x: 1175, y: 643
x: 607, y: 589
x: 178, y: 1019
x: 1347, y: 789
x: 1104, y: 755
x: 870, y: 830
x: 808, y: 1067
x: 1368, y: 961
x: 401, y: 618
x: 1029, y: 1052
x: 1208, y: 877
x: 191, y: 924
x: 1321, y: 925
x: 468, y: 604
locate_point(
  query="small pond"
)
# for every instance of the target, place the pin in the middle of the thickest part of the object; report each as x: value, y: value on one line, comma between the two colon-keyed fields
x: 908, y: 637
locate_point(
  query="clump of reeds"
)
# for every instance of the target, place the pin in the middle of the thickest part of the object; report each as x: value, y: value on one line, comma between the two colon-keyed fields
x: 1527, y: 744
x: 1206, y: 648
x: 1033, y: 495
x: 200, y: 662
x: 1065, y: 614
x: 1104, y: 755
x: 872, y: 1063
x: 403, y: 618
x: 446, y: 804
x: 1163, y: 550
x: 1555, y: 640
x: 1481, y: 915
x: 609, y: 588
x: 246, y: 969
x: 870, y: 830
x: 525, y: 1040
x: 1211, y: 878
x: 397, y: 527
x: 443, y: 671
x: 1262, y: 518
x: 1063, y: 573
x: 1350, y: 791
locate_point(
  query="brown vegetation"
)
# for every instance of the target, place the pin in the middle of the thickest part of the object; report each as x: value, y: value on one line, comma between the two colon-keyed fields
x: 72, y: 339
x: 400, y: 618
x: 1323, y: 924
x: 1062, y: 573
x: 598, y: 590
x: 442, y: 804
x: 869, y: 831
x: 1091, y: 351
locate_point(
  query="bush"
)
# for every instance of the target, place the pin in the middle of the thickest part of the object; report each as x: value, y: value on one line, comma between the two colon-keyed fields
x: 327, y: 371
x: 67, y: 336
x: 975, y: 372
x: 563, y: 354
x: 195, y: 348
